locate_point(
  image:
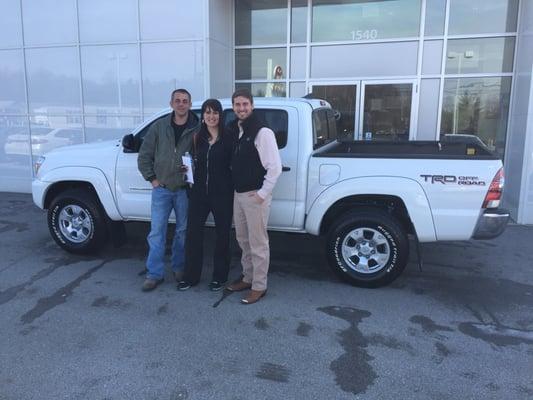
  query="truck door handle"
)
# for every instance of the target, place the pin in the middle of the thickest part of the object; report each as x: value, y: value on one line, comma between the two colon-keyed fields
x: 285, y: 169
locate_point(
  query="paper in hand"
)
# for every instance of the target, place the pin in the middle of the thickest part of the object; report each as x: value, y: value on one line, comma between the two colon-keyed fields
x: 187, y: 161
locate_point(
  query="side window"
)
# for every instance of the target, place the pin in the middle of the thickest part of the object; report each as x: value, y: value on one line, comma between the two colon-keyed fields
x: 277, y: 120
x: 324, y: 127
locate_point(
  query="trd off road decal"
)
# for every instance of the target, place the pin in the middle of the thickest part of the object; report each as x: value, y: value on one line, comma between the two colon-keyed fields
x: 452, y: 179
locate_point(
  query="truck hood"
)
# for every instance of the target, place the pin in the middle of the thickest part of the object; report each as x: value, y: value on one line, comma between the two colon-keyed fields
x: 101, y: 155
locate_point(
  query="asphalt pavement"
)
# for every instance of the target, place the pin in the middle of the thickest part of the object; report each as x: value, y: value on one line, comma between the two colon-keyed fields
x: 74, y: 327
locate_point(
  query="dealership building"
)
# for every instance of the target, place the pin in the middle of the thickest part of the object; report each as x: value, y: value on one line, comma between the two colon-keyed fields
x: 79, y: 71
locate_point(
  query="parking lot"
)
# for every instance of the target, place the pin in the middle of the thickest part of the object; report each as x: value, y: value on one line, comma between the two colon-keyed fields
x: 77, y: 327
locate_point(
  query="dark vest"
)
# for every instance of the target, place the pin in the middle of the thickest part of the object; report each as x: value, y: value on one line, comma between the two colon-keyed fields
x: 246, y: 168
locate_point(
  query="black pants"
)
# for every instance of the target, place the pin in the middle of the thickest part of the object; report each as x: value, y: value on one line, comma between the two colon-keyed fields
x: 199, y: 208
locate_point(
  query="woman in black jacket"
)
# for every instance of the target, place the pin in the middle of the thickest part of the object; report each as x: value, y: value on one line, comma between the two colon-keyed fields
x: 212, y: 191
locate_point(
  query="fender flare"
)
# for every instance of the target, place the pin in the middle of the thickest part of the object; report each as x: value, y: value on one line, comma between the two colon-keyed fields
x: 91, y: 175
x: 408, y: 190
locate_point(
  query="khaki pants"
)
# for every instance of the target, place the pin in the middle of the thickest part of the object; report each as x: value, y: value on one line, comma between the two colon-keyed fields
x: 251, y: 231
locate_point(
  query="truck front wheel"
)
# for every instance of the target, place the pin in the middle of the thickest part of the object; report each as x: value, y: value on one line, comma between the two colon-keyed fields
x: 367, y: 248
x: 77, y: 222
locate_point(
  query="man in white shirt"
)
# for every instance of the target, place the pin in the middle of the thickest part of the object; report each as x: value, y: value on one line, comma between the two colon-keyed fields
x: 256, y: 166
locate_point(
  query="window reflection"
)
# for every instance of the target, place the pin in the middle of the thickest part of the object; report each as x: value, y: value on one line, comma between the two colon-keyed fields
x: 111, y: 79
x: 435, y: 13
x: 342, y: 99
x: 260, y: 63
x: 477, y: 106
x: 99, y: 20
x: 364, y: 20
x: 53, y: 80
x: 49, y: 21
x: 482, y: 16
x: 260, y: 22
x: 480, y: 55
x: 12, y: 99
x: 10, y: 24
x: 182, y: 67
x: 298, y: 21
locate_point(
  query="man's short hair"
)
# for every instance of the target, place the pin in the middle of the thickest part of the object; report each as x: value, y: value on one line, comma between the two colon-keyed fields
x: 242, y: 93
x: 183, y: 91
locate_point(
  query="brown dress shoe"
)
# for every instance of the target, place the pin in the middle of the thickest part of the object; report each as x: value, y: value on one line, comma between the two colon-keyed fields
x: 253, y: 297
x: 239, y: 286
x: 151, y: 284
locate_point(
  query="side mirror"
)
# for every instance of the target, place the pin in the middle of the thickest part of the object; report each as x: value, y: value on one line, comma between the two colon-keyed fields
x: 128, y: 144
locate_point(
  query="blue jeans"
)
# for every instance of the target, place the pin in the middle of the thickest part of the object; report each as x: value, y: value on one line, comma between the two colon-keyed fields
x: 163, y: 202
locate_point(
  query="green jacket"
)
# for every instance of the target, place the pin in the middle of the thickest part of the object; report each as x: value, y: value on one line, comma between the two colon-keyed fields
x: 160, y: 157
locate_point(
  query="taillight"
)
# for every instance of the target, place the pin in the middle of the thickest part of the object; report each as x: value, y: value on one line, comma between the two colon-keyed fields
x: 494, y: 195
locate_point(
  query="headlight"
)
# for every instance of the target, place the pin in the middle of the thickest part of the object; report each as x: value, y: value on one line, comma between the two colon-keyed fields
x: 37, y: 164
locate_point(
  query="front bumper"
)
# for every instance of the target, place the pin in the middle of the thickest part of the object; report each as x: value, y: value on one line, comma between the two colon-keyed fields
x: 491, y: 223
x: 38, y: 191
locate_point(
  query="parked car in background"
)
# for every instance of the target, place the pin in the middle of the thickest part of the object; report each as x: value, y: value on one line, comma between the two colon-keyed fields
x: 42, y: 140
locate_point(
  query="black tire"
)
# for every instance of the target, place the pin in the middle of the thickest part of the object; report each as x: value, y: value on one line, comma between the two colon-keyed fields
x: 379, y: 237
x: 81, y: 204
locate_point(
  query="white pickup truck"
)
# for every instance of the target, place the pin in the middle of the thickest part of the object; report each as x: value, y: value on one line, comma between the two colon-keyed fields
x: 365, y: 197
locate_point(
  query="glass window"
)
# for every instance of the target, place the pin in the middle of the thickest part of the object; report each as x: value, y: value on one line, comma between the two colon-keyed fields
x: 12, y: 94
x: 431, y: 61
x: 466, y: 56
x: 264, y: 89
x: 364, y: 59
x: 111, y: 79
x: 260, y: 63
x: 435, y: 14
x: 298, y: 62
x: 53, y: 80
x: 477, y: 106
x: 49, y: 21
x: 482, y: 16
x: 297, y: 89
x: 260, y: 22
x: 387, y: 111
x: 364, y: 19
x: 277, y: 120
x: 298, y: 21
x: 10, y: 24
x: 99, y: 20
x: 171, y: 19
x: 182, y: 67
x: 428, y: 109
x: 324, y: 127
x: 343, y: 100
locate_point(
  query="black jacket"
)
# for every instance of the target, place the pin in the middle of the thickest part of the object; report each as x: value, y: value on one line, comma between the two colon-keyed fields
x: 247, y: 170
x: 212, y: 165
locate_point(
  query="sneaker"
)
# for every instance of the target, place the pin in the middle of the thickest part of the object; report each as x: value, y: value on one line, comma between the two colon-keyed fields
x: 215, y: 286
x: 151, y: 284
x: 183, y: 285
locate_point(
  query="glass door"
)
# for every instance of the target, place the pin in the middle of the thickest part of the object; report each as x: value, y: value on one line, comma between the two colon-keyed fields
x: 386, y: 111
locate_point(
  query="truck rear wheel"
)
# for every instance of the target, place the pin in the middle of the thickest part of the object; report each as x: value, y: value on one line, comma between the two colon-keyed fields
x: 77, y: 222
x: 367, y: 248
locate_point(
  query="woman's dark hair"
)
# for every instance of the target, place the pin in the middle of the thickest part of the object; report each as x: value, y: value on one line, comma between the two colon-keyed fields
x: 214, y: 105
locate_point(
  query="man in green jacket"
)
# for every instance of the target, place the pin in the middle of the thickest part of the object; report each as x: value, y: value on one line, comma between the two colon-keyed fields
x: 160, y: 163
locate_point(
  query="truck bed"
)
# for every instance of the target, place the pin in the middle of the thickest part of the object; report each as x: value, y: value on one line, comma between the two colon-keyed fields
x: 452, y: 150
